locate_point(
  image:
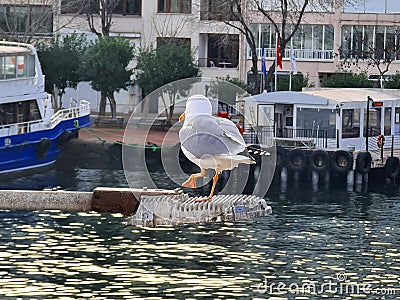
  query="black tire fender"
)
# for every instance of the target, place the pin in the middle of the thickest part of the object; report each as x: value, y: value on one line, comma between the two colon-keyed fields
x: 363, y: 162
x: 115, y: 151
x: 64, y: 138
x: 297, y: 160
x: 281, y: 157
x: 43, y: 148
x: 392, y: 167
x: 341, y: 161
x: 319, y: 160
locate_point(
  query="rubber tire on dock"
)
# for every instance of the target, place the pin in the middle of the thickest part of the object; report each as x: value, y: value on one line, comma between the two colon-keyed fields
x: 319, y: 160
x: 115, y: 151
x: 281, y: 157
x: 43, y: 148
x: 297, y: 160
x: 64, y: 138
x: 392, y: 167
x: 363, y: 162
x: 341, y: 161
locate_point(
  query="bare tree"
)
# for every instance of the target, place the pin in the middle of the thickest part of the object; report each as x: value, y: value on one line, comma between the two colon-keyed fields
x: 99, y: 11
x: 28, y: 21
x: 284, y: 15
x: 98, y: 14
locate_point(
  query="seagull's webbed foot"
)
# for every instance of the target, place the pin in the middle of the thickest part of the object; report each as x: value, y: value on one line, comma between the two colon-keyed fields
x: 191, y: 182
x: 215, y: 179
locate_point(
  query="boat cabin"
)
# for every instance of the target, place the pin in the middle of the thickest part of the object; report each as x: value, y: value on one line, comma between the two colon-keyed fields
x: 329, y: 118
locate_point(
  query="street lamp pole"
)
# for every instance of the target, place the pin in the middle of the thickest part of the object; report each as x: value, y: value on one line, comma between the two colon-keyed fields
x: 367, y: 123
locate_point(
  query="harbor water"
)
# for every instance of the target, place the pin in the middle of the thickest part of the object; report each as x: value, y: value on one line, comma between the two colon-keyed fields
x: 316, y: 244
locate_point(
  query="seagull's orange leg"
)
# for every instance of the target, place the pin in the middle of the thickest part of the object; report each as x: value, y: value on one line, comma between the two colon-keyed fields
x: 191, y: 182
x: 215, y: 179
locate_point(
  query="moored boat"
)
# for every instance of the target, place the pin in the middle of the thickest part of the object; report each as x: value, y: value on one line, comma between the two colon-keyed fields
x: 32, y: 134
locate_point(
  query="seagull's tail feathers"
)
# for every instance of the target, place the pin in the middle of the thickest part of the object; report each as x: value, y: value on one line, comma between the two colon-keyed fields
x: 246, y: 155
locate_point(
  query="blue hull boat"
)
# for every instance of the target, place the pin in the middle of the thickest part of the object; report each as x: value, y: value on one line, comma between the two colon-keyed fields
x: 32, y: 135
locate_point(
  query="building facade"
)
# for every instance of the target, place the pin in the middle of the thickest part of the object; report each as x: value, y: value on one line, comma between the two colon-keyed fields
x: 324, y: 43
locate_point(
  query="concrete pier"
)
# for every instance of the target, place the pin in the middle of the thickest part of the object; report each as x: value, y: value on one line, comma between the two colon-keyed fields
x: 45, y: 200
x: 102, y: 199
x: 146, y: 207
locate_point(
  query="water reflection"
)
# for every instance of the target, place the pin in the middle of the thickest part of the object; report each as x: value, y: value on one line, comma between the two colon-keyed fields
x: 314, y: 238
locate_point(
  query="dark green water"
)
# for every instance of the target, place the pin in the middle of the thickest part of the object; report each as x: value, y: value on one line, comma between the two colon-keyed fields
x: 328, y: 244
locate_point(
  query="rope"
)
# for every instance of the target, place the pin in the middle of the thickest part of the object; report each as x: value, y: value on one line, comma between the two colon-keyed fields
x: 152, y: 146
x: 91, y: 131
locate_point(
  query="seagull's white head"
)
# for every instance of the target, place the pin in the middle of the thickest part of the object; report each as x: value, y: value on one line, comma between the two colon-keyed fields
x: 196, y: 105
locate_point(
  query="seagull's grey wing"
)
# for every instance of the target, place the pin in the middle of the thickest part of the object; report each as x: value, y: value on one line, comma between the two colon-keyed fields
x: 230, y: 130
x: 204, y: 135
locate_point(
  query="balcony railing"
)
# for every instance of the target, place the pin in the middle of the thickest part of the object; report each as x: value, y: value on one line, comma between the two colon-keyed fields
x: 300, y: 54
x: 218, y: 63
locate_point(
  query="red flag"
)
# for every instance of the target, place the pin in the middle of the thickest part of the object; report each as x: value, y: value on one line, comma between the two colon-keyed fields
x: 278, y: 53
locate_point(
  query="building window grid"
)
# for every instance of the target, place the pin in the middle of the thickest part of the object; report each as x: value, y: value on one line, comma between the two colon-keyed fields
x: 302, y: 52
x: 164, y: 6
x: 364, y: 47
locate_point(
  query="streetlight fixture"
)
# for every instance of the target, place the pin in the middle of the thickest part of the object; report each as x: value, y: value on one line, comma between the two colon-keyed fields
x: 367, y: 123
x: 338, y: 110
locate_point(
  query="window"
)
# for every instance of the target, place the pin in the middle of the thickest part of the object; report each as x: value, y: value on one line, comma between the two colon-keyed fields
x: 223, y: 50
x: 128, y: 7
x: 310, y: 42
x: 18, y: 112
x: 219, y: 10
x: 317, y: 119
x: 17, y: 66
x: 174, y: 6
x: 350, y: 123
x: 171, y: 40
x: 358, y: 42
x: 73, y: 7
x: 397, y: 121
x: 374, y: 121
x: 388, y: 121
x: 26, y: 19
x: 123, y: 7
x: 373, y: 6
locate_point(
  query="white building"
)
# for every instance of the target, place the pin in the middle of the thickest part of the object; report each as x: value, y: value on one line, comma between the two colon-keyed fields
x: 323, y: 41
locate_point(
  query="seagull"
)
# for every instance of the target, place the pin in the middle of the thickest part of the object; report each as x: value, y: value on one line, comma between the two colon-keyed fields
x: 210, y: 142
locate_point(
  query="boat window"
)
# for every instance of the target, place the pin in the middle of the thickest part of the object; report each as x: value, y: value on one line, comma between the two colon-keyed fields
x: 30, y: 65
x: 374, y: 121
x: 20, y: 61
x: 388, y: 121
x: 7, y: 113
x: 397, y: 121
x: 350, y: 123
x: 34, y: 110
x: 18, y: 112
x: 10, y: 67
x: 316, y: 119
x: 2, y: 68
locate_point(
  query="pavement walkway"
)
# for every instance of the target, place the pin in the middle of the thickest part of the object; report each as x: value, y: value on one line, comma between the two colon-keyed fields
x: 129, y: 135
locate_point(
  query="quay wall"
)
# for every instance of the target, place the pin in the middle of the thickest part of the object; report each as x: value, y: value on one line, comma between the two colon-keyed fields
x: 315, y: 168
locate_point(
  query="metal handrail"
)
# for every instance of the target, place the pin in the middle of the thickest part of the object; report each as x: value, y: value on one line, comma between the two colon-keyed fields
x: 36, y: 125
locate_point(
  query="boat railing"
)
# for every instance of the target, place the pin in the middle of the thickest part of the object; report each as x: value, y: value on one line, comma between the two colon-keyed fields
x: 269, y: 136
x: 72, y: 112
x: 22, y: 127
x: 37, y: 125
x: 391, y: 146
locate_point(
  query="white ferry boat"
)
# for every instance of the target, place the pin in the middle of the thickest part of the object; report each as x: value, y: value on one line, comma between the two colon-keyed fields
x: 32, y: 134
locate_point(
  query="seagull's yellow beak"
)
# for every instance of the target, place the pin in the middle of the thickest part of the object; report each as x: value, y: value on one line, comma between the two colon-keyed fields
x: 182, y: 117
